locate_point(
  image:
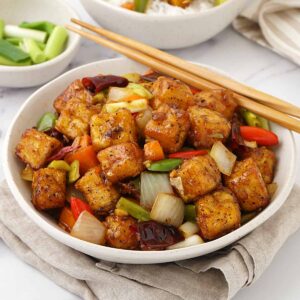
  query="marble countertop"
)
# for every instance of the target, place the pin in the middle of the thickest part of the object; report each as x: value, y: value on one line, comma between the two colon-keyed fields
x: 228, y: 51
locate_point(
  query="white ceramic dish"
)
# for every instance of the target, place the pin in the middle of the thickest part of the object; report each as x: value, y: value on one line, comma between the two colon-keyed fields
x: 56, y: 11
x: 41, y: 101
x: 165, y: 32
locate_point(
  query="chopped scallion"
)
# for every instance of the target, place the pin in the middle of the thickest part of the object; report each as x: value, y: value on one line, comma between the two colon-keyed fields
x: 40, y: 25
x: 16, y: 31
x: 12, y: 52
x: 32, y: 48
x: 56, y: 42
x: 1, y: 29
x: 7, y: 62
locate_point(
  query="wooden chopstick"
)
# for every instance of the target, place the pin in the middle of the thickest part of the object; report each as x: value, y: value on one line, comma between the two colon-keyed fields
x: 219, y: 80
x: 267, y: 112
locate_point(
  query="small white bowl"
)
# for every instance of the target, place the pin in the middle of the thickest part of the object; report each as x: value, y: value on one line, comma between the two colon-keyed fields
x: 56, y: 11
x: 165, y: 31
x: 41, y: 101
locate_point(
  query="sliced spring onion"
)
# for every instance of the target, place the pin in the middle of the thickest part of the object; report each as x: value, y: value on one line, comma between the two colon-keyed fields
x: 133, y: 209
x: 168, y: 209
x: 165, y: 165
x: 190, y: 212
x: 31, y: 47
x: 140, y: 90
x: 27, y: 173
x: 190, y: 241
x: 56, y: 42
x: 188, y: 229
x: 132, y: 77
x: 151, y: 185
x: 2, y: 24
x: 7, y: 62
x: 46, y: 122
x: 12, y: 52
x: 16, y: 31
x: 89, y: 228
x: 224, y: 159
x: 133, y: 106
x: 74, y: 172
x: 14, y: 41
x: 39, y: 25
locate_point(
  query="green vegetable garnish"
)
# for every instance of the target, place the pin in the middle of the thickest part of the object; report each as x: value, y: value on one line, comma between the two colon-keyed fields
x: 46, y: 122
x: 41, y: 25
x: 7, y: 62
x: 14, y: 41
x: 59, y: 164
x: 56, y: 42
x: 74, y: 171
x: 190, y: 212
x: 16, y: 31
x: 254, y: 120
x: 165, y: 165
x: 140, y: 5
x: 2, y: 24
x: 32, y: 48
x: 11, y: 52
x: 133, y: 209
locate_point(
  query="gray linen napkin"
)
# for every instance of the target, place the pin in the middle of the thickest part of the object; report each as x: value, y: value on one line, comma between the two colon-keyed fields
x: 217, y: 276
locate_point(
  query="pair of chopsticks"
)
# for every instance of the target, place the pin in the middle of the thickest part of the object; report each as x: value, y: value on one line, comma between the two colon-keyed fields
x: 268, y: 106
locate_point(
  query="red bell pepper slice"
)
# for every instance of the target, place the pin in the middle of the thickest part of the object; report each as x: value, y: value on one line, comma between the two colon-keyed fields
x: 262, y: 136
x: 78, y: 206
x: 188, y: 154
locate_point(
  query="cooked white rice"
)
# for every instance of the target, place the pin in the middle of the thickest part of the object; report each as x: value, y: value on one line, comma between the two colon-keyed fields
x: 160, y: 7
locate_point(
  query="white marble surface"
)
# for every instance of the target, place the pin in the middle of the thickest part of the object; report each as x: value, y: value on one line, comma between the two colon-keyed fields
x: 235, y: 55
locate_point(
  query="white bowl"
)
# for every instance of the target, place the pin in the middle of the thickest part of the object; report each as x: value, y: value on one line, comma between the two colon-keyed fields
x: 41, y: 101
x: 165, y: 32
x: 56, y: 11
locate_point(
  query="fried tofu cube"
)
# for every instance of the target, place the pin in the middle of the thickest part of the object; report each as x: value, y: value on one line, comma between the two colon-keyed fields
x: 121, y: 161
x: 109, y: 129
x: 221, y: 101
x: 75, y: 117
x: 247, y: 183
x: 265, y: 160
x: 217, y: 214
x: 75, y: 90
x: 49, y: 188
x: 195, y: 177
x: 99, y: 193
x: 169, y: 126
x: 35, y: 147
x: 207, y: 127
x: 171, y: 92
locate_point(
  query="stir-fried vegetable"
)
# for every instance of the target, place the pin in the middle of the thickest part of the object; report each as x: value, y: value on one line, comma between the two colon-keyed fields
x: 133, y: 106
x: 140, y: 5
x: 138, y: 89
x: 168, y: 209
x: 27, y: 173
x: 142, y: 119
x: 74, y: 172
x: 116, y: 94
x: 190, y: 212
x: 190, y: 241
x: 66, y: 219
x: 262, y: 136
x: 165, y: 165
x: 188, y: 228
x: 153, y: 151
x: 59, y: 164
x: 224, y: 159
x: 89, y: 228
x: 46, y: 122
x: 254, y: 120
x: 78, y: 206
x: 151, y: 185
x: 132, y: 77
x: 250, y: 144
x: 133, y: 209
x: 188, y: 154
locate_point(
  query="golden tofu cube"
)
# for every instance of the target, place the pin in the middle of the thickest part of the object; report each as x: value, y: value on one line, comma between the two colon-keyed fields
x: 109, y: 129
x: 221, y: 101
x: 35, y: 147
x: 265, y: 160
x: 207, y: 127
x: 217, y: 214
x: 74, y: 119
x: 171, y: 92
x: 169, y: 126
x: 247, y: 183
x: 99, y: 193
x: 49, y: 188
x: 195, y: 177
x: 121, y: 161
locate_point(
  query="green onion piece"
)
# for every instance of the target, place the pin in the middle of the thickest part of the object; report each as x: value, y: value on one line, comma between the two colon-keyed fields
x: 56, y: 42
x: 42, y: 46
x: 264, y: 123
x: 2, y: 24
x: 254, y: 120
x: 59, y: 164
x: 7, y: 62
x: 16, y: 31
x: 140, y: 5
x: 165, y: 165
x: 14, y: 41
x: 190, y: 213
x: 12, y: 52
x: 46, y: 122
x: 32, y: 48
x: 40, y: 25
x: 74, y: 173
x: 133, y: 209
x: 247, y: 217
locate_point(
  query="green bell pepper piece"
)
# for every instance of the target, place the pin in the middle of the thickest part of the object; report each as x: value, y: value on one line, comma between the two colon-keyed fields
x: 59, y: 164
x: 74, y: 173
x: 46, y: 122
x: 140, y: 5
x: 190, y: 213
x: 165, y: 165
x: 254, y: 120
x: 133, y: 209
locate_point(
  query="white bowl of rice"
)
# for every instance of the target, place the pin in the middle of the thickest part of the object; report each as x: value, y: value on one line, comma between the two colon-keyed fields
x: 165, y: 26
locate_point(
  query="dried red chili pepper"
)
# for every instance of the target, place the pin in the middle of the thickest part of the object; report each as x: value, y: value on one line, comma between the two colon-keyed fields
x: 98, y: 83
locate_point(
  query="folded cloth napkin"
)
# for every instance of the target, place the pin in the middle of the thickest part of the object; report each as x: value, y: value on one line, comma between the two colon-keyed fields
x: 217, y: 276
x: 274, y: 24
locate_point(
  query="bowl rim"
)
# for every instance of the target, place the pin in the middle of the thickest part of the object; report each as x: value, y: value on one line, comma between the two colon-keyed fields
x: 69, y: 49
x: 164, y: 18
x: 137, y: 256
